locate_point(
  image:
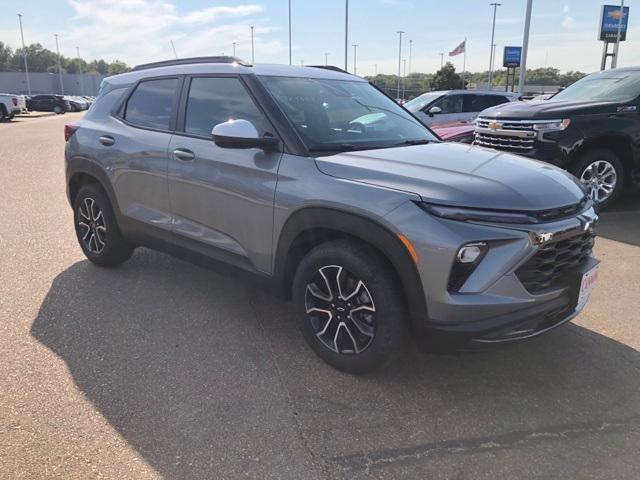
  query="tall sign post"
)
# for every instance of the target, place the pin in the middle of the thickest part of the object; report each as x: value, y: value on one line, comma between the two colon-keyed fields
x: 511, y: 59
x: 614, y: 20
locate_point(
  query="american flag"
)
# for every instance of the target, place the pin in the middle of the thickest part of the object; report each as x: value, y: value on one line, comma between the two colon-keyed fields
x: 459, y: 49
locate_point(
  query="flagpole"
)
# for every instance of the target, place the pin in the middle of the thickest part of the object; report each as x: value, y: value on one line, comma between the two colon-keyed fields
x: 464, y: 63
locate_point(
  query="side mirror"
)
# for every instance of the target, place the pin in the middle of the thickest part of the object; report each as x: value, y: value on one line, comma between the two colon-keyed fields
x: 241, y: 134
x: 434, y: 110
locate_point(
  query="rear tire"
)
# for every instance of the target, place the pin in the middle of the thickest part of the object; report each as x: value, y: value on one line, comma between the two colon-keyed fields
x: 96, y: 228
x: 602, y: 173
x: 352, y: 312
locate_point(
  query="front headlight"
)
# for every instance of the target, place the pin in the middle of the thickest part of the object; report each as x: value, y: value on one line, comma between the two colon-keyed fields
x: 464, y: 214
x: 551, y: 125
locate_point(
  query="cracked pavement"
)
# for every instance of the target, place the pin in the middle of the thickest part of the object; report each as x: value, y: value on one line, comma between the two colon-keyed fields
x: 162, y: 369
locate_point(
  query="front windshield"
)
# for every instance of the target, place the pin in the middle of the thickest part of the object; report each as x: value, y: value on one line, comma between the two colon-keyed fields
x: 609, y: 86
x: 420, y: 102
x: 344, y: 115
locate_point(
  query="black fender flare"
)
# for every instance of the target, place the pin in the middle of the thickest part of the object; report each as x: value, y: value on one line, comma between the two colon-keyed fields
x: 363, y: 228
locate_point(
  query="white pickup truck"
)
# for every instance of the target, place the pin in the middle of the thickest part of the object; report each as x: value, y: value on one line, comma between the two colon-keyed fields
x: 10, y: 105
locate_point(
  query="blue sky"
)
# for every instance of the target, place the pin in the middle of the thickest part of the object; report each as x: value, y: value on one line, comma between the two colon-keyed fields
x: 563, y: 32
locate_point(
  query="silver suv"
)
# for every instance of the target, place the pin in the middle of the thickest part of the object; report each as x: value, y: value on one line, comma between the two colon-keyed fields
x: 315, y: 180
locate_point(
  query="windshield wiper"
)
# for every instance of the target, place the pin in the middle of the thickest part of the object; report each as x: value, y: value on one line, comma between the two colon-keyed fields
x: 421, y: 141
x: 333, y: 147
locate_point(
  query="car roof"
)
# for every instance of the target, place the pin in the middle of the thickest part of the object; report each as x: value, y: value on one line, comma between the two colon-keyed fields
x: 201, y: 66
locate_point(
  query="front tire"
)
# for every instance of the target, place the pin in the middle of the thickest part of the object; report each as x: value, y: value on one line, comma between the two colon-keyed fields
x: 352, y: 313
x: 602, y: 173
x: 96, y: 228
x: 58, y: 110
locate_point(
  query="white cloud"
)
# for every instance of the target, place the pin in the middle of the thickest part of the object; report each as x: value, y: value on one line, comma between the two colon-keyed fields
x: 138, y: 31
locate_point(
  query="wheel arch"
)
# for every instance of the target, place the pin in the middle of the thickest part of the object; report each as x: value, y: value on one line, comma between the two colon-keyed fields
x: 621, y: 145
x: 81, y: 171
x: 312, y: 226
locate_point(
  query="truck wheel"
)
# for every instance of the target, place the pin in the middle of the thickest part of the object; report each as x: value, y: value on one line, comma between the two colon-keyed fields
x: 3, y: 113
x: 97, y: 229
x: 602, y: 173
x: 352, y: 313
x: 58, y: 110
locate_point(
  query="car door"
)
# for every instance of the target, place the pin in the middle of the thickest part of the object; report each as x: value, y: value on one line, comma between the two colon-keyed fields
x: 135, y: 146
x: 222, y: 199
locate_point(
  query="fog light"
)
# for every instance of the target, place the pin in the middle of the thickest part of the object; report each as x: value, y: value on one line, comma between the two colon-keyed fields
x: 471, y: 252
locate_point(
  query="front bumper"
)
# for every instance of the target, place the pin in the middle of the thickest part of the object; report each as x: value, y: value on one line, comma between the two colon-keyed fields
x: 493, y: 305
x: 516, y: 326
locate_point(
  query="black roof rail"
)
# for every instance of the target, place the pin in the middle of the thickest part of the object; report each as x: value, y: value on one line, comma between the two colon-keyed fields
x: 188, y: 61
x: 329, y: 67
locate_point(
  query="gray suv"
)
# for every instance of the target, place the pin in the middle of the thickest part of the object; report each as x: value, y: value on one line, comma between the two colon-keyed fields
x: 313, y: 179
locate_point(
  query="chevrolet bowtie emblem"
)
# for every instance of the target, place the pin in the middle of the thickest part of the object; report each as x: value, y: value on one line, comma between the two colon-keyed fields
x: 493, y: 125
x: 541, y: 238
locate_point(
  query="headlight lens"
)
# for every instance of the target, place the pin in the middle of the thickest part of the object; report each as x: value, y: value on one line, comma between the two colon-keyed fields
x: 552, y: 125
x: 464, y: 214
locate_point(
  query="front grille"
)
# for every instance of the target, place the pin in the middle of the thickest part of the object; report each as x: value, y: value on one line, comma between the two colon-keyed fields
x: 511, y: 135
x: 550, y: 266
x: 504, y: 142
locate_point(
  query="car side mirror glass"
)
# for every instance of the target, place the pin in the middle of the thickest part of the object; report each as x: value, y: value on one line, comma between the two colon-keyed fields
x: 241, y: 133
x: 434, y: 110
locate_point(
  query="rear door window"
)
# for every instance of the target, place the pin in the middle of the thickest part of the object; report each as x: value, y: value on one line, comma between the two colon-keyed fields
x: 151, y: 103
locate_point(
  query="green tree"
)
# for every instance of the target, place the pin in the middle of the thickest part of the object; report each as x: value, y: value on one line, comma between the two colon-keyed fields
x: 117, y: 67
x: 6, y: 55
x: 570, y: 77
x: 39, y: 58
x: 446, y: 78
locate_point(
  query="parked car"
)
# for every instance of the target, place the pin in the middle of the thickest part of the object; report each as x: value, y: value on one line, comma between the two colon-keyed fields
x: 433, y: 108
x: 77, y: 104
x: 460, y: 132
x: 373, y: 226
x: 591, y: 128
x: 48, y: 103
x: 10, y: 106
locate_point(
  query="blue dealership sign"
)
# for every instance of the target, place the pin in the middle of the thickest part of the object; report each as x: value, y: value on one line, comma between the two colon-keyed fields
x: 512, y: 56
x: 609, y: 19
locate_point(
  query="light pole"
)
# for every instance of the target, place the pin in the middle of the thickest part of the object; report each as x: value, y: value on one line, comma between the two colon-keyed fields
x: 289, y: 32
x: 59, y: 64
x: 399, y: 32
x: 234, y: 49
x: 326, y: 58
x: 410, y: 49
x: 80, y: 70
x: 346, y: 35
x: 375, y: 69
x: 441, y: 59
x: 173, y: 47
x: 614, y: 61
x: 355, y: 47
x: 493, y: 31
x: 525, y: 47
x: 404, y: 75
x: 253, y: 58
x: 24, y: 55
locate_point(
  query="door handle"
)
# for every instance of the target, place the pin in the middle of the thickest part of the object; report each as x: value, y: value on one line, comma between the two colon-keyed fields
x: 183, y: 154
x: 107, y: 140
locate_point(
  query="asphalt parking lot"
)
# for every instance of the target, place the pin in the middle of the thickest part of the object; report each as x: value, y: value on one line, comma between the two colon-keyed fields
x: 161, y: 369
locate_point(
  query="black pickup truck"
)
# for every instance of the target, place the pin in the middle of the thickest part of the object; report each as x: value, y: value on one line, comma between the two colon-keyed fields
x: 592, y: 129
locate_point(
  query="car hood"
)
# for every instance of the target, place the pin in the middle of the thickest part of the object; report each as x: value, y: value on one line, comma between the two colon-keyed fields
x: 547, y: 109
x: 457, y: 174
